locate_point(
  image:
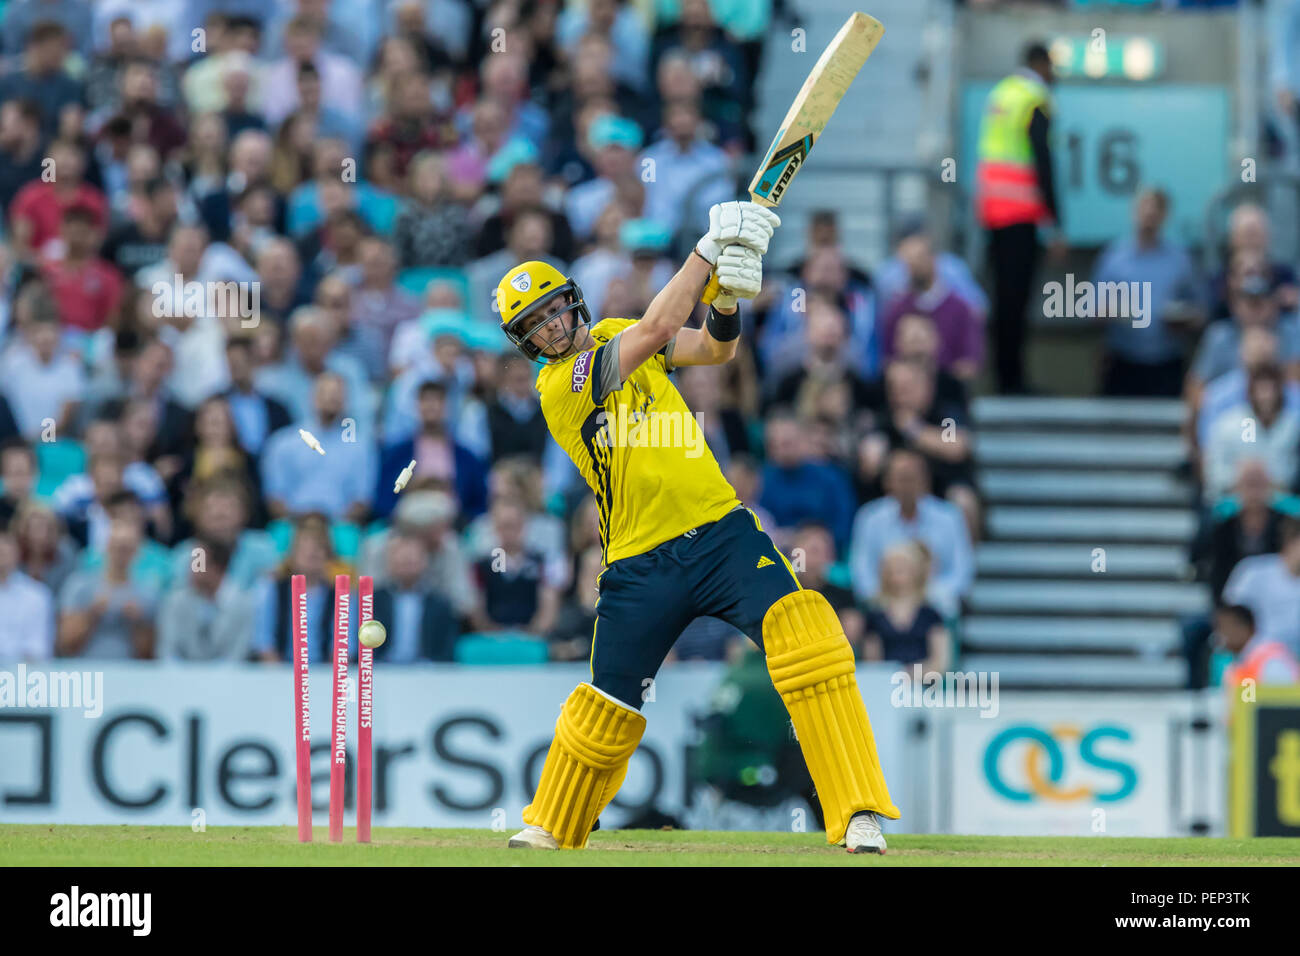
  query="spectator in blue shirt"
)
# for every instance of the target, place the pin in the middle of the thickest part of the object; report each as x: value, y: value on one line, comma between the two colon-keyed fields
x: 298, y: 480
x: 687, y: 173
x: 1145, y: 355
x: 617, y: 20
x: 797, y: 489
x: 311, y: 554
x: 308, y: 209
x: 315, y: 350
x: 783, y: 342
x: 21, y: 17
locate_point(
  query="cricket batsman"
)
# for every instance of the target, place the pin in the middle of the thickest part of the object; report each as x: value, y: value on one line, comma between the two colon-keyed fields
x: 677, y: 542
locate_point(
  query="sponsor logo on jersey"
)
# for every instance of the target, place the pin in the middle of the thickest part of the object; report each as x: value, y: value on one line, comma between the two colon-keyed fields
x: 582, y: 369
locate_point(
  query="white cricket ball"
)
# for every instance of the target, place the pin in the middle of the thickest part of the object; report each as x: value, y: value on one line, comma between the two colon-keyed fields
x: 373, y: 634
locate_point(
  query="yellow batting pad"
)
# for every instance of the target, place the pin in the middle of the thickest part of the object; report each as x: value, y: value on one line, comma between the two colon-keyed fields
x: 812, y: 667
x: 595, y: 738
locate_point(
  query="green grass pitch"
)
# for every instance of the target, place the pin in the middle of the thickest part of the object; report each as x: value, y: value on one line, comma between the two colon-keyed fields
x: 46, y: 845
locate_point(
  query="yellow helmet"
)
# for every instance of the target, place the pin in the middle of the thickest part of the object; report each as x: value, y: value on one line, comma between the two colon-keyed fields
x: 527, y: 290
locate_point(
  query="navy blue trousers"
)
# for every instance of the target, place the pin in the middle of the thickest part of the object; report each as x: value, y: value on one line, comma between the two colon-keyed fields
x: 729, y: 569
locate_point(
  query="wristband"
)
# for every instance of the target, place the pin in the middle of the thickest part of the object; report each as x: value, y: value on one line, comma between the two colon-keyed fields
x: 723, y: 328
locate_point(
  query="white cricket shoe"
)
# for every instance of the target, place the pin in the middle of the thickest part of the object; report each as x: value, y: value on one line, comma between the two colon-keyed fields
x: 536, y: 838
x: 863, y: 835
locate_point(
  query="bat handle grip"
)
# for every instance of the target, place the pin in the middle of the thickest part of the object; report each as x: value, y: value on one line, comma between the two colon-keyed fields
x: 712, y: 289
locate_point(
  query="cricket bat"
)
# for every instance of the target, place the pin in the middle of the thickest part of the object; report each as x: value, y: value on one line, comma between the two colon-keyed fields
x: 811, y: 110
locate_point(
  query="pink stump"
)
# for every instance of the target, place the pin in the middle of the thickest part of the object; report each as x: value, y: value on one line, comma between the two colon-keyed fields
x: 365, y: 710
x: 339, y: 739
x: 302, y: 703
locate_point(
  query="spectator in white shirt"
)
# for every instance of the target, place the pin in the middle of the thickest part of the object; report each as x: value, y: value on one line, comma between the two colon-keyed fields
x: 103, y: 613
x: 1258, y: 348
x: 27, y: 624
x: 1269, y: 584
x: 909, y: 512
x: 232, y: 41
x: 42, y: 383
x: 1261, y: 428
x: 341, y: 81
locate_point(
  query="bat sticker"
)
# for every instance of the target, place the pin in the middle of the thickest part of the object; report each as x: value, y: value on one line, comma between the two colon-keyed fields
x: 782, y: 168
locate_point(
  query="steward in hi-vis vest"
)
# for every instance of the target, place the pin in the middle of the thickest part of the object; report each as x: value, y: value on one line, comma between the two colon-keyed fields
x: 1013, y: 182
x: 1015, y: 200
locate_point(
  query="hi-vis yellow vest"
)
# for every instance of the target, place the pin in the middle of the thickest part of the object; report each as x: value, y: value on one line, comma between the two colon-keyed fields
x: 1006, y: 182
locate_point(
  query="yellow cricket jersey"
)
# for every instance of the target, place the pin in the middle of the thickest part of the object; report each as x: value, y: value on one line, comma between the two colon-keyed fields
x: 639, y: 447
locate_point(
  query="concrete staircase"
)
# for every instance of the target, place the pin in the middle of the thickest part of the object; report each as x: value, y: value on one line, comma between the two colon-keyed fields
x: 1063, y: 478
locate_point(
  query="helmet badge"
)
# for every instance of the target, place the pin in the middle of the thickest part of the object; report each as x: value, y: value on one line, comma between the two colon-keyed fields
x: 522, y: 282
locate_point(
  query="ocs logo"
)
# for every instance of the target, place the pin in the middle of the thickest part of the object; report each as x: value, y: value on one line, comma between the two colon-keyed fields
x: 1061, y: 764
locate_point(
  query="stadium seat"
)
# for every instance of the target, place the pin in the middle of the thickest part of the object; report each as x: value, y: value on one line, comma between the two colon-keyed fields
x: 281, y: 533
x: 1228, y: 506
x: 1220, y: 660
x: 505, y: 649
x: 416, y: 280
x: 344, y: 537
x: 152, y: 566
x: 347, y: 540
x: 56, y: 461
x: 954, y: 626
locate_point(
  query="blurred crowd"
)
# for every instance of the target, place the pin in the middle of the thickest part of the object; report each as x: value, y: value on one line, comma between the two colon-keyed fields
x: 1242, y: 434
x: 227, y: 220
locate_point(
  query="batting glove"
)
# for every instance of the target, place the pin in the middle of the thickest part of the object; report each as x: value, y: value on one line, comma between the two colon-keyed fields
x: 740, y: 274
x: 746, y: 223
